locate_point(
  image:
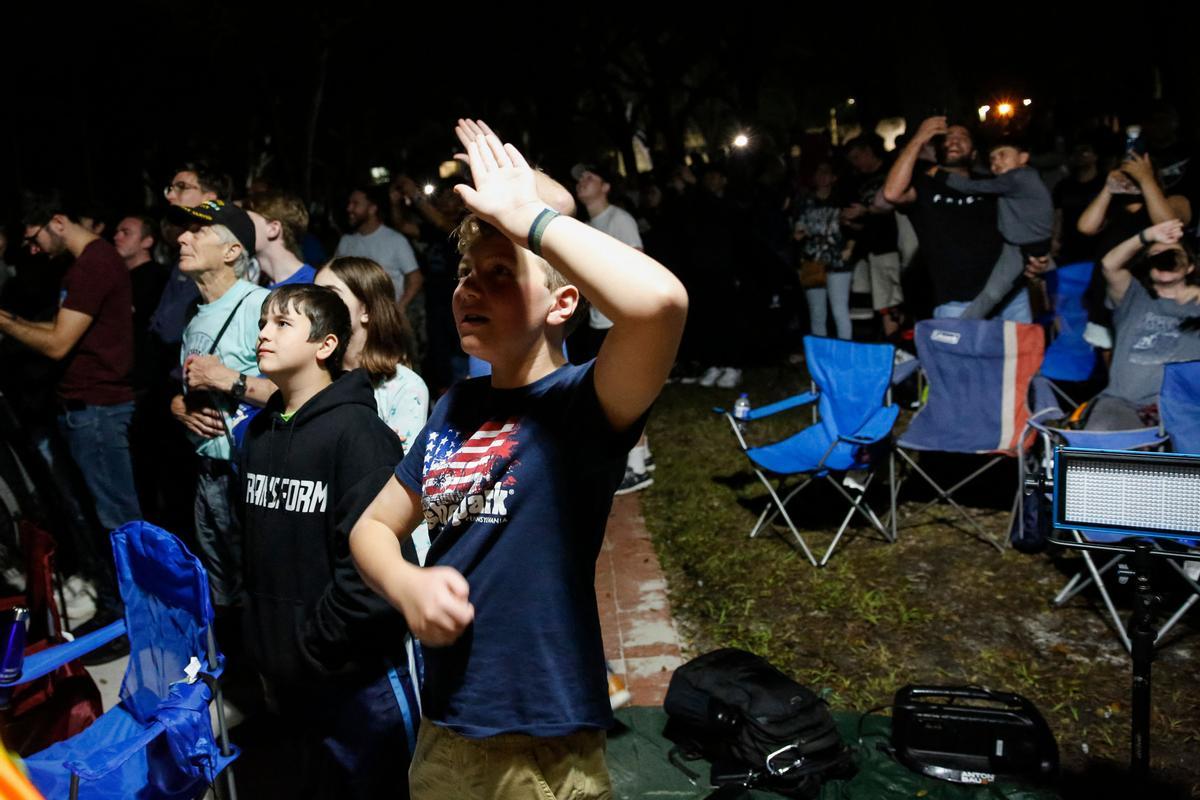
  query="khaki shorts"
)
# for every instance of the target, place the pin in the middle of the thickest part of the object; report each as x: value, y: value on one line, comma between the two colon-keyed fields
x: 885, y: 280
x: 448, y: 766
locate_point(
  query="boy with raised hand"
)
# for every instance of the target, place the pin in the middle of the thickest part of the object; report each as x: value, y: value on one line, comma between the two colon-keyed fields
x: 515, y: 475
x: 330, y: 651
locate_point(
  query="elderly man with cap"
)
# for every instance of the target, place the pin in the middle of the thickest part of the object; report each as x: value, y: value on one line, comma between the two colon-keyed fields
x: 220, y: 374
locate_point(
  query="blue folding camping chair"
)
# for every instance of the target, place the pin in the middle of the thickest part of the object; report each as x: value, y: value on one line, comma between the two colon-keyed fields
x: 1179, y: 406
x: 979, y: 374
x: 850, y: 389
x: 158, y: 741
x: 1069, y: 357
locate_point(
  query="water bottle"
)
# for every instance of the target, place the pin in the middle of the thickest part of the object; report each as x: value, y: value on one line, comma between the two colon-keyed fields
x: 12, y: 649
x: 741, y: 408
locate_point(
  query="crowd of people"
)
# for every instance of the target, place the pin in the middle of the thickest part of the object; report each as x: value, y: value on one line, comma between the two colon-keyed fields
x: 931, y: 235
x: 209, y: 369
x: 272, y: 407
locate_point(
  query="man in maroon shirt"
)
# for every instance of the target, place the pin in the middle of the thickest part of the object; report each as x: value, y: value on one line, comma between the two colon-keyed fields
x: 92, y: 337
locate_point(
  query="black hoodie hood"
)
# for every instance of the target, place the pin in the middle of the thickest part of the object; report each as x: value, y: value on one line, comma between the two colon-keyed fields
x: 305, y: 482
x: 351, y: 388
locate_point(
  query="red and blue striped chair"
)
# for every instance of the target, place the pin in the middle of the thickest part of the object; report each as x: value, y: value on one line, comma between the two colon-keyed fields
x: 979, y: 374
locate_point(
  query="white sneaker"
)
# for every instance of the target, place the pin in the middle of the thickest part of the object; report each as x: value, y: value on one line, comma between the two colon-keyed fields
x: 730, y: 377
x: 634, y: 482
x: 709, y: 378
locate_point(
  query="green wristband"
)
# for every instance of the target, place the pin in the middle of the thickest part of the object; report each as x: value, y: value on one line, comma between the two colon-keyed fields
x: 538, y: 229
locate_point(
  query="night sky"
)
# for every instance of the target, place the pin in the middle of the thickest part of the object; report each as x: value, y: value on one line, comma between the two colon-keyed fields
x: 106, y: 101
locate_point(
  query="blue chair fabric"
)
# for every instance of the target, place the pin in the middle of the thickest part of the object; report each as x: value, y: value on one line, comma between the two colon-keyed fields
x: 1179, y: 405
x: 979, y: 373
x: 980, y: 376
x: 851, y: 388
x: 158, y: 742
x: 1069, y: 357
x: 852, y: 381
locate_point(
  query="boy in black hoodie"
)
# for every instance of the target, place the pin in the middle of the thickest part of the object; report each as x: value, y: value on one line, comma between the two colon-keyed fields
x: 331, y: 652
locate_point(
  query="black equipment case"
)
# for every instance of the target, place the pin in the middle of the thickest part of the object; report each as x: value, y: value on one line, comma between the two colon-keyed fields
x: 967, y: 734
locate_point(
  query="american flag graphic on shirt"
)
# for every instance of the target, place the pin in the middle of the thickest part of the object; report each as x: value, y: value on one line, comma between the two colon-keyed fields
x: 469, y: 480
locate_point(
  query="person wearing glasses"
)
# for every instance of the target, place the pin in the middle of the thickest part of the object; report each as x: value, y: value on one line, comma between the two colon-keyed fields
x: 91, y: 336
x: 192, y: 184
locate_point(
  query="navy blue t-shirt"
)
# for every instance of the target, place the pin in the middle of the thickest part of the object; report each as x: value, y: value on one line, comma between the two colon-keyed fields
x: 516, y: 486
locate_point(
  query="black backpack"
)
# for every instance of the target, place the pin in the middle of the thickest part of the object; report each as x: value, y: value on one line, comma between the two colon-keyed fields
x: 757, y: 726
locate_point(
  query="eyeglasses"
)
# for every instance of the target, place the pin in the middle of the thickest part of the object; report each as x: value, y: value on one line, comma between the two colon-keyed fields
x: 31, y: 239
x: 179, y: 187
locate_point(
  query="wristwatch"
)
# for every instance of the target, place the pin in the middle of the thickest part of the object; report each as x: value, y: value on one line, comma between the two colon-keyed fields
x: 239, y: 387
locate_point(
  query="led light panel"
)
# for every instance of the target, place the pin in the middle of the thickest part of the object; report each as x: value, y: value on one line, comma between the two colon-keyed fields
x: 1153, y: 494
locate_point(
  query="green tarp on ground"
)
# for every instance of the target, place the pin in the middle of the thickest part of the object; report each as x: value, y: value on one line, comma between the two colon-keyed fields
x: 637, y: 761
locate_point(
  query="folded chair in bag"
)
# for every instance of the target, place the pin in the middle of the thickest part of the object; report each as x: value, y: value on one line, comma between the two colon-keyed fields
x: 1069, y: 358
x: 979, y: 374
x: 158, y: 741
x: 850, y: 388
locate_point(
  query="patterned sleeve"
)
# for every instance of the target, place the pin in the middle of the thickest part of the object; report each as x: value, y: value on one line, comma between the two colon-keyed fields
x: 403, y: 403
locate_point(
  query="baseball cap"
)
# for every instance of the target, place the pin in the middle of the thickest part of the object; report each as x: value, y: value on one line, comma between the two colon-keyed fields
x: 217, y: 212
x: 597, y: 170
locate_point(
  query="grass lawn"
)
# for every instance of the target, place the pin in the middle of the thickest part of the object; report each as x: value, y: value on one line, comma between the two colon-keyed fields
x: 936, y: 607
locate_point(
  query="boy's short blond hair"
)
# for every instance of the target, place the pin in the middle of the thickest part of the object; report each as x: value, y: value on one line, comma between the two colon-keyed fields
x: 472, y: 230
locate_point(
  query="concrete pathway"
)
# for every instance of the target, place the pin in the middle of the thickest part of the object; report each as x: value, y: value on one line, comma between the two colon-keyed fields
x: 640, y: 639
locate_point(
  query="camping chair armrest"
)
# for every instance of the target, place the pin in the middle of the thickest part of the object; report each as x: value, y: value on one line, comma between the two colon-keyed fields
x: 782, y: 405
x: 99, y: 763
x: 876, y: 427
x: 50, y: 659
x: 1039, y: 420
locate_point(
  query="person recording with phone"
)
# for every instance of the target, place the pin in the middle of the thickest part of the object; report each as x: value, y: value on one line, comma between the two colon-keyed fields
x: 1132, y: 200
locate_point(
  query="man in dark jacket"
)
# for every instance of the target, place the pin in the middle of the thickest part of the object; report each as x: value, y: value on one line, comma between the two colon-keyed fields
x: 331, y: 652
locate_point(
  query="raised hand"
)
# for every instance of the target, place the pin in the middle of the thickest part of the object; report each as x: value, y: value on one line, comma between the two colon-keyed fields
x: 929, y: 128
x: 1138, y: 167
x: 1167, y: 232
x: 505, y: 192
x: 1120, y: 183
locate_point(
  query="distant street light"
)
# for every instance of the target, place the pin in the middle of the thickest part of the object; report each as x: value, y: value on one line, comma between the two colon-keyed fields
x: 429, y: 188
x: 850, y: 101
x: 1004, y: 109
x: 741, y: 140
x: 983, y: 112
x: 1026, y: 102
